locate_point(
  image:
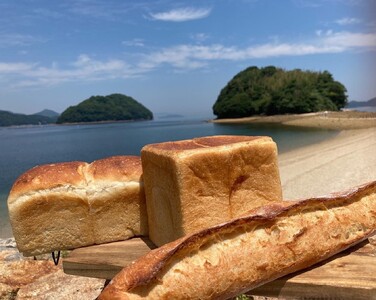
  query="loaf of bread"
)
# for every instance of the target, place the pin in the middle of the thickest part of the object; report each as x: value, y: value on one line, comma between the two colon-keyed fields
x: 239, y: 255
x: 194, y: 184
x: 74, y: 204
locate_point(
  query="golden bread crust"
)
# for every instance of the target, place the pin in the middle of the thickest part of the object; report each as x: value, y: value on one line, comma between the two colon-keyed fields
x: 115, y: 168
x: 47, y: 177
x: 203, y: 142
x: 239, y: 255
x: 74, y: 204
x: 194, y: 184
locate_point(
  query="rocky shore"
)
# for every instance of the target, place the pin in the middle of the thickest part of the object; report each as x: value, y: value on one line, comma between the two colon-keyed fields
x: 24, y: 278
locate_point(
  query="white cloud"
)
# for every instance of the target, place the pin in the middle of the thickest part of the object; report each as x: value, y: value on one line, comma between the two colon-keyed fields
x: 199, y: 37
x: 134, y: 43
x: 9, y: 68
x: 349, y: 40
x: 179, y: 57
x: 15, y: 39
x: 347, y: 21
x: 182, y: 14
x: 84, y: 68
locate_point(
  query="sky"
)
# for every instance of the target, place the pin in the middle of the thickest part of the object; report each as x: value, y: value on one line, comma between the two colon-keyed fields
x: 175, y: 56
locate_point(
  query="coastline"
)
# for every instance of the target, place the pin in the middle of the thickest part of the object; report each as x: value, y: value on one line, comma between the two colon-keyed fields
x: 344, y: 120
x: 333, y: 165
x: 336, y: 164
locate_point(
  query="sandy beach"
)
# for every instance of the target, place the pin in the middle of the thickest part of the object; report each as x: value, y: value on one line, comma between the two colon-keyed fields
x: 344, y: 120
x: 337, y: 164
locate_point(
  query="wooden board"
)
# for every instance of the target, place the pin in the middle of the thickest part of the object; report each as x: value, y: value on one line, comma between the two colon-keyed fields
x: 105, y: 261
x: 348, y: 275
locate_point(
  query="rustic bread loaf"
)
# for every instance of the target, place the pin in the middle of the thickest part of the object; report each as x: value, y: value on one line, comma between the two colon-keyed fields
x: 74, y: 204
x: 194, y: 184
x: 237, y: 256
x: 116, y: 198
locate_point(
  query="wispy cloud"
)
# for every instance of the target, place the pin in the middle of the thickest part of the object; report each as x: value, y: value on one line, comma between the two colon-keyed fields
x: 199, y: 37
x: 16, y: 39
x: 134, y: 43
x: 84, y: 68
x: 15, y: 68
x: 183, y: 57
x: 182, y: 14
x: 348, y: 21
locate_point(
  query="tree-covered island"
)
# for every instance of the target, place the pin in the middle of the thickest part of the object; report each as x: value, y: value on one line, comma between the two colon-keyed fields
x: 271, y: 90
x: 114, y: 107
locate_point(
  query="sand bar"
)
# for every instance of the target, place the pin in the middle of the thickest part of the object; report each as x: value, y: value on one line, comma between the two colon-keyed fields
x: 337, y: 164
x: 345, y: 120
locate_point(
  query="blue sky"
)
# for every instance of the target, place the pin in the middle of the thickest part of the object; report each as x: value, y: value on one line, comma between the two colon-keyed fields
x: 175, y: 56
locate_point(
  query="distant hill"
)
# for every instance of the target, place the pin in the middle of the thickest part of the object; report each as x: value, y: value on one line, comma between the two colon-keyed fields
x: 48, y: 113
x: 114, y: 107
x: 53, y: 115
x: 8, y: 118
x: 169, y: 116
x: 353, y: 104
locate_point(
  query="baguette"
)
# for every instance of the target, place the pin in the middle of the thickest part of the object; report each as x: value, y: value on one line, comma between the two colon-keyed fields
x: 73, y: 204
x: 237, y: 256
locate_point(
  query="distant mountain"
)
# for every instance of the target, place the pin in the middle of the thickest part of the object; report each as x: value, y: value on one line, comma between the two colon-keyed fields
x: 353, y: 104
x: 169, y: 116
x: 114, y: 107
x: 8, y: 118
x: 48, y: 113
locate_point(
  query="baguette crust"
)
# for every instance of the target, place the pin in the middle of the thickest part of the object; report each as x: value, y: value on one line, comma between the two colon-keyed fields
x: 239, y: 255
x: 74, y: 204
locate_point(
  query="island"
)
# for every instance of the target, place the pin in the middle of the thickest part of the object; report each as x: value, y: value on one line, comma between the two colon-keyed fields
x: 114, y: 107
x: 8, y: 118
x: 275, y: 91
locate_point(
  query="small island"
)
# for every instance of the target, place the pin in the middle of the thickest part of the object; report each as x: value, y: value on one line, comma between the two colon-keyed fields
x: 114, y: 107
x: 274, y: 91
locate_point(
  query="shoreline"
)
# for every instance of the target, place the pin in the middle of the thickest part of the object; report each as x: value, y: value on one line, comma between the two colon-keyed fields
x: 343, y: 120
x: 336, y: 164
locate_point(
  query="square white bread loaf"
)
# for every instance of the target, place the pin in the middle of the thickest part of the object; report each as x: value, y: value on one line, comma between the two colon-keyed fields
x: 194, y: 184
x: 74, y: 204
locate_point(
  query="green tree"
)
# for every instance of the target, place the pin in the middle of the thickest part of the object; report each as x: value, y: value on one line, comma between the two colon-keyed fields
x: 272, y: 90
x: 115, y: 107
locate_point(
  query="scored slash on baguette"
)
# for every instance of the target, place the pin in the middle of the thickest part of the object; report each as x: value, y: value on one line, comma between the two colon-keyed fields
x: 244, y: 253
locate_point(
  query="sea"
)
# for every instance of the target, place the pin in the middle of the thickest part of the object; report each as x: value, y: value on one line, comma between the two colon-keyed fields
x: 25, y: 147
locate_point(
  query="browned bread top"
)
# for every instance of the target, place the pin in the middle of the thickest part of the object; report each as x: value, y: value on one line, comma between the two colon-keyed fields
x: 76, y: 173
x: 204, y: 143
x: 47, y: 177
x: 115, y: 168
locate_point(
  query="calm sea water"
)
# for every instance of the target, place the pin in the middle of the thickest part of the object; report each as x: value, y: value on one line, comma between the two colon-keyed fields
x: 26, y: 147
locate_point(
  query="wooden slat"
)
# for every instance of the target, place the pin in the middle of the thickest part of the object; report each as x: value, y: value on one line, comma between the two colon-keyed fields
x: 348, y: 275
x: 105, y: 261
